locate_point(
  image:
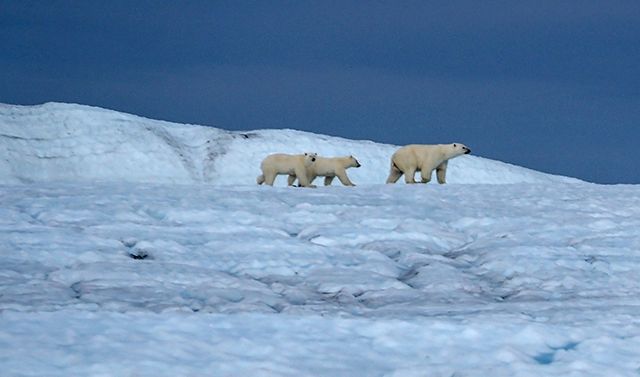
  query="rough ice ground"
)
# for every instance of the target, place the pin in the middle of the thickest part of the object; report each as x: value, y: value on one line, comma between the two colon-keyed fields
x: 537, y: 277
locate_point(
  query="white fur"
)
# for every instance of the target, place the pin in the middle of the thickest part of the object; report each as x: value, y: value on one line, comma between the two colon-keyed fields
x: 424, y: 158
x: 330, y: 168
x: 288, y: 164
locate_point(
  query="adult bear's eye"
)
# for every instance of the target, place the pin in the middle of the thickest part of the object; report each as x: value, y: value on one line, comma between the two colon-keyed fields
x: 454, y: 145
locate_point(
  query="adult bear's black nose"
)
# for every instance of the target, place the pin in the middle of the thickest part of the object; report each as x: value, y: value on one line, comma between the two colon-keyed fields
x: 467, y: 151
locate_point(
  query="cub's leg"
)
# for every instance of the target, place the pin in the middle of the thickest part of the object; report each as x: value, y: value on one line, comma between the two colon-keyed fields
x: 303, y: 180
x: 342, y: 176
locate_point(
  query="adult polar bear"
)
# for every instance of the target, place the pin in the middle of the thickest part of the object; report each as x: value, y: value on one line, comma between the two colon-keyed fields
x: 288, y: 164
x: 423, y: 158
x: 329, y: 168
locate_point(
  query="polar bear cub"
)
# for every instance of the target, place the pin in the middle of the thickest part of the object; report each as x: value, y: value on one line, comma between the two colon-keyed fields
x: 288, y: 164
x: 329, y: 168
x: 424, y: 158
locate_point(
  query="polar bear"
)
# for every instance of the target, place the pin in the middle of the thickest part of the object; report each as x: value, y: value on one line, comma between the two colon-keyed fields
x: 424, y: 158
x: 281, y: 163
x: 329, y: 168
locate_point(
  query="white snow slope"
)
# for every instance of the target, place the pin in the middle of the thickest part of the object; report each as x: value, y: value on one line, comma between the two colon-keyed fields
x: 73, y: 143
x: 133, y: 247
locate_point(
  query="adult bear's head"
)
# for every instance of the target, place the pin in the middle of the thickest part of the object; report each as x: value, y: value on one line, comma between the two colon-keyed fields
x: 461, y: 149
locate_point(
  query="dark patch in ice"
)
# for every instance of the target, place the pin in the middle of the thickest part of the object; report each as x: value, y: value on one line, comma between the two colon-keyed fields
x: 455, y: 254
x: 546, y: 358
x: 214, y: 150
x: 277, y: 307
x: 177, y: 147
x: 506, y: 296
x: 138, y: 254
x: 76, y: 288
x: 590, y: 259
x: 392, y: 249
x: 408, y: 275
x: 248, y: 135
x: 292, y: 280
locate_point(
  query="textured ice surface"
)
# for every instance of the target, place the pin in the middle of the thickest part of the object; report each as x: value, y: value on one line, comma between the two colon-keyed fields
x: 168, y: 272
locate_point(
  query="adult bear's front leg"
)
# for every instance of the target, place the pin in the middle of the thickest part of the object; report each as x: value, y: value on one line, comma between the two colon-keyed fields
x: 441, y: 172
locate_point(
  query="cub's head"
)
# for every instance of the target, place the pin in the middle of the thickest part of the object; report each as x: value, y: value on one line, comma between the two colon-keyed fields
x: 353, y: 163
x: 460, y: 149
x: 309, y: 158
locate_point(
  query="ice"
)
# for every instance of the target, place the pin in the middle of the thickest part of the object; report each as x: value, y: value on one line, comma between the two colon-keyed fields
x: 58, y: 142
x: 135, y: 247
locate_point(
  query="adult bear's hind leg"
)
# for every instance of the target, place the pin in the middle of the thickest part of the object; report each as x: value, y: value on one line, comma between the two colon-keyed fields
x: 394, y: 173
x: 269, y: 178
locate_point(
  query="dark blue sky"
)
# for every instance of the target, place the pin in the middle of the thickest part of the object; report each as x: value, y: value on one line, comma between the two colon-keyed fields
x: 549, y: 85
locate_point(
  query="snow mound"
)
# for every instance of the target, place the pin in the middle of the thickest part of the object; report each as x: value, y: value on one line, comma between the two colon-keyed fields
x: 57, y: 142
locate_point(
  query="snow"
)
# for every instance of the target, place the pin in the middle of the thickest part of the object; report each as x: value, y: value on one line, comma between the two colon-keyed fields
x: 135, y: 247
x: 72, y: 143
